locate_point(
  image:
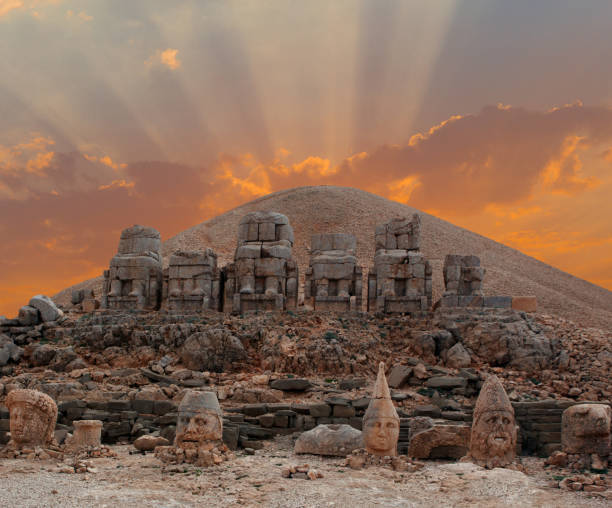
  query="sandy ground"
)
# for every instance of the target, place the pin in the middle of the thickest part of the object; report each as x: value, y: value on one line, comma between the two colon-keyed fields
x: 255, y: 480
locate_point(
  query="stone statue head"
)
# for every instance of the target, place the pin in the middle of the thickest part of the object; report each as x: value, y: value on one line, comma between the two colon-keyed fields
x: 33, y: 417
x: 381, y: 423
x: 493, y: 437
x: 585, y: 429
x: 199, y: 418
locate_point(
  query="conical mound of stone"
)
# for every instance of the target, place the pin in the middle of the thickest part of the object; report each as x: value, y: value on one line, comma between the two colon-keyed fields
x: 381, y: 422
x: 493, y: 436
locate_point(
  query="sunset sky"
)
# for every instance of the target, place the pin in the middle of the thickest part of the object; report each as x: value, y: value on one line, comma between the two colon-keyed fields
x: 493, y: 115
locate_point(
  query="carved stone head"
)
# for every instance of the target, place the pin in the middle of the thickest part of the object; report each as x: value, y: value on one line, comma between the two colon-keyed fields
x: 199, y: 419
x: 33, y: 418
x: 493, y: 437
x: 381, y: 423
x: 586, y: 429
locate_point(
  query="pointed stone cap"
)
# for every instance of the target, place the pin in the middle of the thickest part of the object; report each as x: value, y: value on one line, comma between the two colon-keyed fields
x: 381, y: 405
x: 492, y: 397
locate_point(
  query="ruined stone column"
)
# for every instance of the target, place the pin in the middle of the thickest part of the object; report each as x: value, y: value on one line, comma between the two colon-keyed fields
x: 87, y: 433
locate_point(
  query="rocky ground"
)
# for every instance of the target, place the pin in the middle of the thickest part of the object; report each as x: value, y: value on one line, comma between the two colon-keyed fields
x: 256, y: 480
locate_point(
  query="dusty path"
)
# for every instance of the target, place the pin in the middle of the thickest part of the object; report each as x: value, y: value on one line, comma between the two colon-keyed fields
x: 137, y: 480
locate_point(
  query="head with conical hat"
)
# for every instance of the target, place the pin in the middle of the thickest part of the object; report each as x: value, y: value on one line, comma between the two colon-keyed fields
x: 493, y: 439
x: 381, y: 423
x: 199, y: 418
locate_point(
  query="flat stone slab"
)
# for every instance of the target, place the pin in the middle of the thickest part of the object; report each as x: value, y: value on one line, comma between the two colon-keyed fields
x: 330, y: 440
x: 291, y: 384
x: 446, y: 382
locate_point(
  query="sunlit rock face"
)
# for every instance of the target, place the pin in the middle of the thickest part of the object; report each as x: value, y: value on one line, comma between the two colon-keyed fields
x: 400, y: 280
x: 494, y: 431
x: 134, y: 279
x: 199, y: 419
x: 33, y: 416
x: 263, y: 276
x: 381, y: 422
x: 585, y: 429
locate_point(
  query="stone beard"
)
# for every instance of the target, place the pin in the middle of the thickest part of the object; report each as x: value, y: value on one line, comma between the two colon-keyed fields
x: 32, y: 418
x: 197, y: 427
x: 494, y: 438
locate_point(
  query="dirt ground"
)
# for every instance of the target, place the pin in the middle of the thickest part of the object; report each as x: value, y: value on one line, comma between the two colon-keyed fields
x: 132, y: 480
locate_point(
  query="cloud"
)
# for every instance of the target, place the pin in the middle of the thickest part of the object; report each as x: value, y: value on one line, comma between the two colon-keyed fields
x: 82, y: 15
x: 6, y: 6
x: 167, y: 57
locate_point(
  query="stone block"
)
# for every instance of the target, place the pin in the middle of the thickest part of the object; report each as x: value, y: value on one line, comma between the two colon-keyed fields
x: 46, y: 307
x: 320, y: 410
x: 446, y: 382
x: 291, y: 384
x: 399, y: 375
x: 28, y: 316
x: 267, y: 232
x: 143, y: 406
x: 498, y: 302
x: 343, y: 411
x: 270, y: 267
x: 255, y: 409
x: 161, y: 407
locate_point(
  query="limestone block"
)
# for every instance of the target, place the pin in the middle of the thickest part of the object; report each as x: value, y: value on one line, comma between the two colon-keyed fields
x: 267, y: 232
x: 90, y: 305
x: 47, y: 308
x: 525, y: 303
x: 440, y: 441
x: 87, y: 433
x: 253, y: 233
x: 321, y: 242
x: 285, y: 232
x: 28, y: 316
x: 251, y: 251
x: 140, y: 240
x: 331, y: 440
x: 243, y: 232
x: 275, y: 251
x: 390, y: 241
x: 333, y: 271
x: 270, y: 267
x: 498, y: 302
x: 344, y: 242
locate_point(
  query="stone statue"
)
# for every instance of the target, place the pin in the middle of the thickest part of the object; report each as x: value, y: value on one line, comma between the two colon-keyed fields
x: 494, y: 431
x: 381, y: 423
x: 192, y: 281
x: 585, y: 432
x: 400, y: 280
x: 463, y: 278
x: 199, y: 432
x: 199, y: 419
x: 263, y: 276
x: 333, y: 279
x: 134, y: 279
x: 33, y: 415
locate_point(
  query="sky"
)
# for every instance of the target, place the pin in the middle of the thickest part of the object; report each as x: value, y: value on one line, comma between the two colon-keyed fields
x: 493, y: 115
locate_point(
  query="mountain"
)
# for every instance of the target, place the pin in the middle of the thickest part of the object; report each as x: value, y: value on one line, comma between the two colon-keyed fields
x: 342, y: 209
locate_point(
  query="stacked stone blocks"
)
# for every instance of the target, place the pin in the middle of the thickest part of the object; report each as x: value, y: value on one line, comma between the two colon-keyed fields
x: 333, y: 280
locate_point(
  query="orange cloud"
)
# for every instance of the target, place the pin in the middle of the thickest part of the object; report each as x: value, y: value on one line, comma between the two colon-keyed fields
x: 166, y: 57
x: 6, y: 6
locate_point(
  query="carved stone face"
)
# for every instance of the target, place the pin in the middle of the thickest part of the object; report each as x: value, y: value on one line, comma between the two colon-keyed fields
x: 586, y: 429
x: 198, y: 427
x: 494, y: 434
x: 32, y: 417
x: 380, y: 435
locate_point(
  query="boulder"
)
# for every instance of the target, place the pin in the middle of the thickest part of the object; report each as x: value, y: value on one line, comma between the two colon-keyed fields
x: 457, y: 357
x: 42, y: 355
x: 446, y: 382
x: 399, y: 375
x: 47, y: 308
x: 440, y: 442
x: 212, y: 350
x: 9, y: 350
x: 332, y: 440
x: 148, y: 442
x: 28, y: 316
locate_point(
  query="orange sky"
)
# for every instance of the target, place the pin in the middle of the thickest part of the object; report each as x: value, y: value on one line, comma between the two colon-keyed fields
x: 497, y: 118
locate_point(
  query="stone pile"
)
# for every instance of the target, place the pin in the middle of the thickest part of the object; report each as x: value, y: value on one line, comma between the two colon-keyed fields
x: 192, y: 282
x: 333, y: 279
x: 361, y: 458
x: 302, y: 472
x: 134, y: 279
x: 264, y: 276
x: 400, y: 280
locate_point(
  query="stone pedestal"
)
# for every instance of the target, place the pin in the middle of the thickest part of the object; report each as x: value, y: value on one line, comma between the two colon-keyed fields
x: 87, y: 434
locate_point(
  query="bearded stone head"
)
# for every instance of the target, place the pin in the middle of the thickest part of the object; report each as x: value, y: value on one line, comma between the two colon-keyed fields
x: 494, y: 431
x: 381, y: 423
x: 199, y: 419
x: 33, y: 415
